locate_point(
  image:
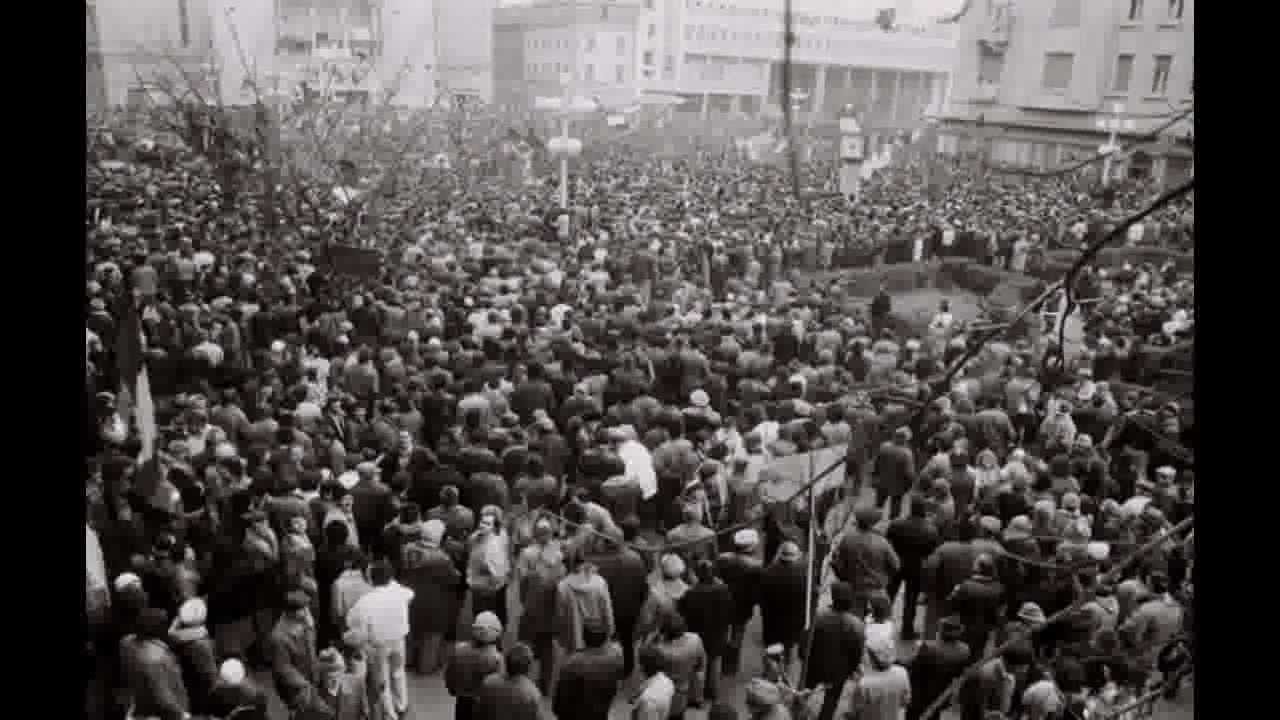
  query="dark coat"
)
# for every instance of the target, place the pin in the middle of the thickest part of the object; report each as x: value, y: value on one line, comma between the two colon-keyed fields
x: 935, y: 666
x: 503, y: 697
x: 837, y: 642
x: 199, y: 661
x: 708, y: 609
x: 914, y: 540
x: 436, y: 585
x: 625, y: 572
x: 154, y: 675
x: 743, y: 574
x: 589, y: 680
x: 979, y: 602
x: 293, y: 658
x: 468, y: 666
x: 373, y: 509
x: 782, y: 598
x: 895, y: 469
x: 866, y: 561
x: 485, y: 489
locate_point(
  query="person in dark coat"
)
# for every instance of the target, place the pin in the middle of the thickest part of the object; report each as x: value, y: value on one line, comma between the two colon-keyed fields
x: 472, y: 661
x: 373, y: 505
x: 894, y: 471
x: 865, y: 559
x: 152, y: 671
x: 935, y: 666
x: 837, y: 640
x: 913, y: 538
x: 946, y: 568
x: 293, y: 651
x: 708, y: 611
x: 190, y: 641
x: 626, y: 574
x: 979, y: 603
x: 589, y: 678
x: 742, y: 571
x: 429, y: 572
x: 510, y: 694
x: 236, y: 695
x: 782, y: 598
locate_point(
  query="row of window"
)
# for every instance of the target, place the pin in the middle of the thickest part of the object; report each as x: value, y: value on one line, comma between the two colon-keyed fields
x: 716, y: 33
x: 1057, y: 71
x: 588, y: 43
x: 799, y: 18
x: 1173, y: 9
x: 554, y: 70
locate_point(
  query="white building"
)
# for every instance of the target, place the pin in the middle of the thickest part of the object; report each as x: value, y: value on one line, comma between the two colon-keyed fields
x: 726, y: 55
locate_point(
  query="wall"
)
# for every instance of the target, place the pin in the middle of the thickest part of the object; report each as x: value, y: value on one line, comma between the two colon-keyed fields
x: 466, y: 45
x: 409, y: 32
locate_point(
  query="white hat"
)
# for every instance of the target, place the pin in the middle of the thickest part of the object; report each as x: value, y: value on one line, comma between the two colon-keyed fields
x: 349, y: 479
x: 193, y: 612
x: 231, y: 672
x: 746, y: 539
x: 124, y: 580
x: 699, y: 398
x: 277, y: 346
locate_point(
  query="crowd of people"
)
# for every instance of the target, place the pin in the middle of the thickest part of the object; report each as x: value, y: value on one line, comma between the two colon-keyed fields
x: 528, y: 453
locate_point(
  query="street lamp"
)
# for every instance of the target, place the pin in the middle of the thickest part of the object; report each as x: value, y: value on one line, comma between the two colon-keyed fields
x: 564, y: 148
x: 1112, y: 124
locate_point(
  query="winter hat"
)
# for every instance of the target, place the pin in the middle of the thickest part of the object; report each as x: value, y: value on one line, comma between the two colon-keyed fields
x: 699, y: 399
x: 1031, y: 612
x: 486, y: 628
x: 231, y: 672
x: 789, y: 552
x: 126, y: 580
x: 672, y: 566
x: 1020, y: 528
x: 193, y: 613
x: 746, y: 539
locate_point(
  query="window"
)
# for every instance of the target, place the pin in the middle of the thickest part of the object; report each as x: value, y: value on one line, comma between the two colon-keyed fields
x: 688, y: 32
x: 668, y: 64
x: 620, y: 73
x: 1066, y: 14
x: 1175, y: 9
x: 589, y: 73
x: 990, y: 66
x: 1124, y: 71
x: 591, y: 43
x: 648, y: 4
x: 653, y: 30
x: 1135, y: 9
x: 1160, y: 78
x: 648, y: 57
x: 184, y: 23
x: 1057, y: 71
x: 622, y: 44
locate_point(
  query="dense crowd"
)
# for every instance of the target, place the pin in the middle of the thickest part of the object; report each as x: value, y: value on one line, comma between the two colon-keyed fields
x: 529, y: 453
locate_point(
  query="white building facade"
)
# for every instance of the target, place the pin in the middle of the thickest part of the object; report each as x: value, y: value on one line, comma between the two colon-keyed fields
x: 726, y: 55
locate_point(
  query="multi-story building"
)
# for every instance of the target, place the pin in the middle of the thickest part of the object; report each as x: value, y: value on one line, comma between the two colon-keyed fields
x: 725, y: 56
x: 140, y: 50
x: 410, y: 52
x: 1043, y: 83
x: 534, y: 49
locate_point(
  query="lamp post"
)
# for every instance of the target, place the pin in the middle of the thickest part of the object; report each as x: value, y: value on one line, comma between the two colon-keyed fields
x: 565, y: 147
x: 852, y: 153
x: 1112, y: 124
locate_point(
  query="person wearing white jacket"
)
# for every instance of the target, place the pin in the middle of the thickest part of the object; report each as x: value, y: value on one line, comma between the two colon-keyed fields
x: 380, y: 618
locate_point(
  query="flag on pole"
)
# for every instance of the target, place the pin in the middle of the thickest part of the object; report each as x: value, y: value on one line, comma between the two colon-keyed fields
x: 134, y: 401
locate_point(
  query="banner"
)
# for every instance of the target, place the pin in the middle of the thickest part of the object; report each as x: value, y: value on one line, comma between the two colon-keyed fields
x: 783, y: 477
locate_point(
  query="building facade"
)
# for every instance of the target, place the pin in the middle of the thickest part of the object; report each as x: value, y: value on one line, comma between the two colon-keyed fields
x: 725, y: 56
x: 144, y: 50
x: 407, y: 52
x: 1042, y: 83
